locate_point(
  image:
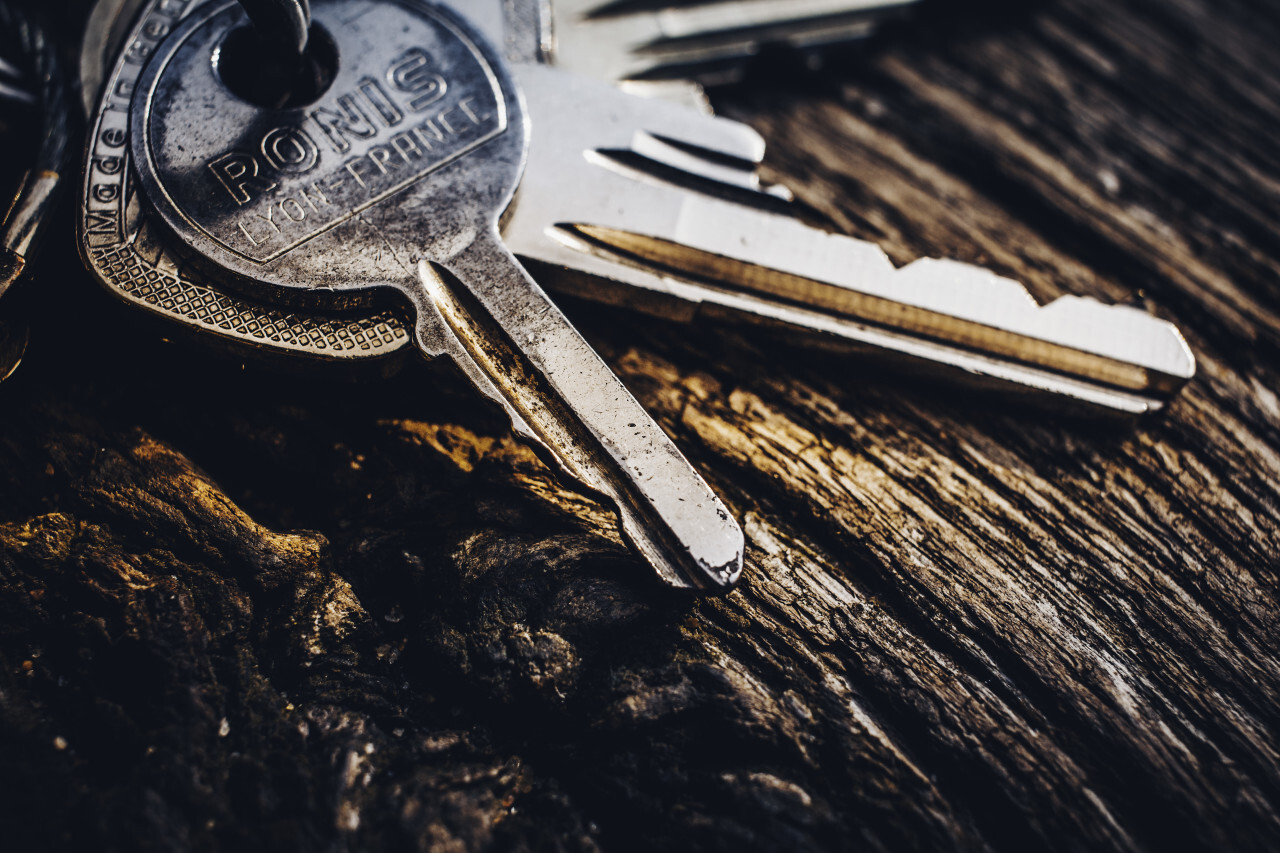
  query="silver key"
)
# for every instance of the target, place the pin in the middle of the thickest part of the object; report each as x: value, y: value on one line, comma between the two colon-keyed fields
x: 394, y: 180
x: 139, y: 261
x: 623, y: 220
x: 705, y: 40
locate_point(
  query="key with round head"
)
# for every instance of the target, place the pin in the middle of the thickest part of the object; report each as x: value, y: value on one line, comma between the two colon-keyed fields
x: 138, y: 259
x: 394, y: 178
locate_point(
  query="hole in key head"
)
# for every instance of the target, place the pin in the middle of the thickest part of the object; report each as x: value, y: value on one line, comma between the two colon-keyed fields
x: 263, y: 74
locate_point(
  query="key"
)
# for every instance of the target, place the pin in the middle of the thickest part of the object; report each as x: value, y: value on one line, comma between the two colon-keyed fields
x: 662, y: 255
x: 139, y: 262
x: 394, y: 179
x: 638, y: 219
x: 708, y: 41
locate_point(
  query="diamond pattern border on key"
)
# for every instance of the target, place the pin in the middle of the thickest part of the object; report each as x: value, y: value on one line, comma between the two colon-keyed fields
x: 357, y: 337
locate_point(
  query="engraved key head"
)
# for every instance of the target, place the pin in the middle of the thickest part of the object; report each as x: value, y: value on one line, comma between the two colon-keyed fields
x: 311, y: 199
x: 137, y: 257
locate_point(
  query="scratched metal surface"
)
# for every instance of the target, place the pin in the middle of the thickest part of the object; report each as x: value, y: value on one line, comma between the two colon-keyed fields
x: 246, y: 610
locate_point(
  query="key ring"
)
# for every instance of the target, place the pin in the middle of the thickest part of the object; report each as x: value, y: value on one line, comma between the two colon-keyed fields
x: 37, y: 62
x: 285, y: 23
x: 277, y: 60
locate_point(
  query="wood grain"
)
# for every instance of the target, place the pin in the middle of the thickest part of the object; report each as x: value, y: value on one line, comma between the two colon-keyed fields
x: 246, y: 611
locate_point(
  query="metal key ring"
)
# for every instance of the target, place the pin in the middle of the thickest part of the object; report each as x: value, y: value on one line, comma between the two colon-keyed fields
x: 285, y: 23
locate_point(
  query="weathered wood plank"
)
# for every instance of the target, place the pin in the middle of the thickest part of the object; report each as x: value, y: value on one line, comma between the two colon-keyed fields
x: 965, y: 625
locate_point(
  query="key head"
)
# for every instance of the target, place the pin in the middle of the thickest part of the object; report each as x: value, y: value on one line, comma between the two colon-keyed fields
x: 416, y: 145
x: 138, y: 259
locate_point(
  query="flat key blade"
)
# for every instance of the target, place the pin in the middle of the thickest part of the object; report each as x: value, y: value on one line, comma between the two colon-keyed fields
x: 634, y: 220
x: 483, y: 310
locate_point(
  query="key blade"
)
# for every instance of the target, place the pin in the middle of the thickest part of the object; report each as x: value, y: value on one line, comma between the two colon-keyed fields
x: 626, y: 222
x: 775, y: 262
x: 521, y: 351
x: 605, y: 276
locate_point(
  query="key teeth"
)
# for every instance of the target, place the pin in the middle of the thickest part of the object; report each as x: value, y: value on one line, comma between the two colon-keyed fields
x: 966, y: 283
x: 1166, y: 346
x: 980, y: 295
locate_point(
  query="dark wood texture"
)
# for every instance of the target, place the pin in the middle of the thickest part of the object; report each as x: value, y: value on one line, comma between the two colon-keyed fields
x: 246, y: 612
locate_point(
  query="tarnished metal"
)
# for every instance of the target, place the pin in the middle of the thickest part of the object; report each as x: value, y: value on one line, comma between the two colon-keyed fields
x: 610, y: 210
x: 135, y: 256
x: 395, y: 179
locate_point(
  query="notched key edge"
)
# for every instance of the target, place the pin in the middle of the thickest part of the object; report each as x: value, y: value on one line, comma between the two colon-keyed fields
x: 823, y: 306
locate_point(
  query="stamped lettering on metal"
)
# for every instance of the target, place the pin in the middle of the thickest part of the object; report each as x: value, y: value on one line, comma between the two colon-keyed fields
x: 411, y: 94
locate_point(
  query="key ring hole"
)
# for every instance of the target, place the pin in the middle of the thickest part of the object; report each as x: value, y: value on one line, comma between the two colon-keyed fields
x: 260, y: 73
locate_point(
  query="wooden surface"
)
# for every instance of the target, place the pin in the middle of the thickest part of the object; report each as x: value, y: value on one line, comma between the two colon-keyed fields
x: 240, y: 611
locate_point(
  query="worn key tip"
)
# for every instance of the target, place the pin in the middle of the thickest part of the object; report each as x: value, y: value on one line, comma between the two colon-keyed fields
x: 692, y: 544
x: 522, y: 353
x: 724, y: 577
x: 721, y: 566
